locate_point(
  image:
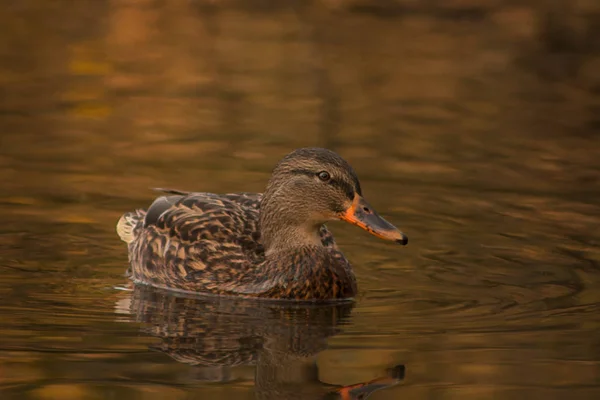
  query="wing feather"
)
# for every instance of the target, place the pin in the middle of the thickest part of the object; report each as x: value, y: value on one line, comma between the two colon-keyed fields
x: 203, y: 242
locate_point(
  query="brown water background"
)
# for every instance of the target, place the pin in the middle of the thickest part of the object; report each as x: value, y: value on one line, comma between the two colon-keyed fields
x: 473, y: 125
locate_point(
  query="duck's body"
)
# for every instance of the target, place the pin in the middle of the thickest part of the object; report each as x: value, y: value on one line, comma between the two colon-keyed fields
x: 209, y: 243
x: 249, y: 244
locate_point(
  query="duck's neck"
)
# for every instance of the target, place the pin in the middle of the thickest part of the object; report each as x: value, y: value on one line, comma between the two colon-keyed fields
x: 288, y: 239
x: 285, y: 225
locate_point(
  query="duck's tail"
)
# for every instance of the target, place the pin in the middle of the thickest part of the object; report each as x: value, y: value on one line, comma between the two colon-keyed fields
x: 129, y: 225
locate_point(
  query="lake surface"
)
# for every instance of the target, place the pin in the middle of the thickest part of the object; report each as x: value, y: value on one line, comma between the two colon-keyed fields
x: 475, y: 129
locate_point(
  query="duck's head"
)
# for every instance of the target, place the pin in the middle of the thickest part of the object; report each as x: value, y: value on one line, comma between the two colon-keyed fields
x: 309, y: 187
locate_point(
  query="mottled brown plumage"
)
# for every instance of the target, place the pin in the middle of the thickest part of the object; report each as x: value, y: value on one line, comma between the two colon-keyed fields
x: 272, y: 245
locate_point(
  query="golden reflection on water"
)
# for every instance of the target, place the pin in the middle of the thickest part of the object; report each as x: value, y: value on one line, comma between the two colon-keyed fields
x: 473, y: 126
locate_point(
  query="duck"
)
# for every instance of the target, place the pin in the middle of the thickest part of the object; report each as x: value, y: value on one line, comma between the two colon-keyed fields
x: 271, y: 245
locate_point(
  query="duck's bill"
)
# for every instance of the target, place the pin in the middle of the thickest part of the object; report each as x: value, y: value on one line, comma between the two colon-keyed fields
x: 360, y: 213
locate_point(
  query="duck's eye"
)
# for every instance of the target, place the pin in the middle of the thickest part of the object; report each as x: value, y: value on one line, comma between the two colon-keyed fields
x: 324, y: 176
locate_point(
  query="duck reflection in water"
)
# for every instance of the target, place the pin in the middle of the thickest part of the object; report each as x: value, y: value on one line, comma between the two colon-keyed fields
x: 281, y: 340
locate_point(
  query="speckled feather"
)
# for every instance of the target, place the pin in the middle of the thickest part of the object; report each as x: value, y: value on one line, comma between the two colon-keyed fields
x: 209, y: 243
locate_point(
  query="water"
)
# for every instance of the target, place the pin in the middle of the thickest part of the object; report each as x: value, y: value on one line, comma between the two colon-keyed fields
x: 473, y: 128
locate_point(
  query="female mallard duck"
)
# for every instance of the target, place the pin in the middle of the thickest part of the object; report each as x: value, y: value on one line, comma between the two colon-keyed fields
x: 271, y: 245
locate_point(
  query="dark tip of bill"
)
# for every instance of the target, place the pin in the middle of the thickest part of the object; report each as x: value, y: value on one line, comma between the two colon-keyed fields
x: 403, y: 241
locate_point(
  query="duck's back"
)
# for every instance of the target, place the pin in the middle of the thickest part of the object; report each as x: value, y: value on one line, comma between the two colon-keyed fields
x: 198, y: 242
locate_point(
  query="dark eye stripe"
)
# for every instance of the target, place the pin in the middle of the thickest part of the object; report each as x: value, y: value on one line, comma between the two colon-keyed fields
x: 302, y: 172
x: 345, y: 186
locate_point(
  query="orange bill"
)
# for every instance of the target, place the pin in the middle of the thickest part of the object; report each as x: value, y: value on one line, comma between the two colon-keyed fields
x: 360, y: 213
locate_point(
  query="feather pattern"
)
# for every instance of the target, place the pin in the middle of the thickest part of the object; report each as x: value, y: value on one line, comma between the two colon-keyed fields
x: 273, y: 245
x: 209, y: 243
